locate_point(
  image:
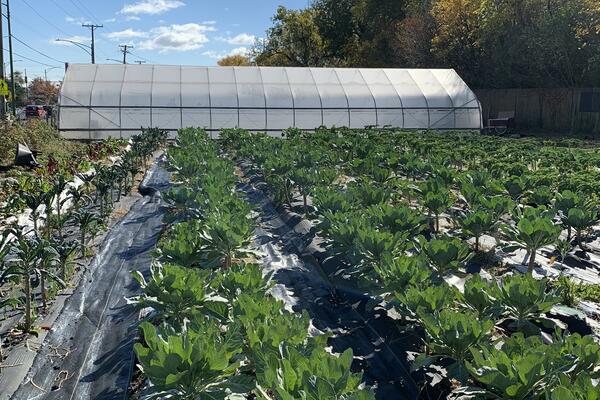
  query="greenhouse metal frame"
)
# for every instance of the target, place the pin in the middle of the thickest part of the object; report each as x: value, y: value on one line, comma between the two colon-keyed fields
x: 98, y: 101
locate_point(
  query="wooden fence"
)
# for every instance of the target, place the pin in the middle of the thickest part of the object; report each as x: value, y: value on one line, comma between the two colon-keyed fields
x: 575, y: 111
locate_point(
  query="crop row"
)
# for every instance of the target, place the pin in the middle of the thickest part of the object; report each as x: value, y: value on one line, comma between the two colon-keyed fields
x: 38, y: 252
x: 399, y: 209
x: 216, y: 331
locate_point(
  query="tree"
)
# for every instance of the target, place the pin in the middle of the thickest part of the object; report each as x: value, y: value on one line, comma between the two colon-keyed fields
x: 43, y: 92
x: 235, y: 60
x: 455, y: 43
x: 20, y: 92
x: 294, y: 40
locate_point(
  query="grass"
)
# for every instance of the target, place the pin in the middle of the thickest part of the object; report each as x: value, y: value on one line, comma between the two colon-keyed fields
x: 39, y: 136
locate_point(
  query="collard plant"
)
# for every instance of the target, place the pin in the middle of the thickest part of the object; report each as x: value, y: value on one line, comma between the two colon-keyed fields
x: 451, y: 335
x: 480, y: 297
x: 534, y: 229
x: 198, y: 364
x: 178, y: 293
x: 398, y: 218
x: 581, y: 219
x: 526, y: 368
x: 525, y: 300
x: 225, y: 236
x: 318, y: 375
x: 445, y: 254
x: 478, y: 223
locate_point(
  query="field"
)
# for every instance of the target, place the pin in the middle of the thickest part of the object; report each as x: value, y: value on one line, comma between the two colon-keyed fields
x: 347, y: 264
x: 336, y: 264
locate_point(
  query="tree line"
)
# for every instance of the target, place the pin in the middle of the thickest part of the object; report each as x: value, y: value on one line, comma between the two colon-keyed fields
x: 491, y: 43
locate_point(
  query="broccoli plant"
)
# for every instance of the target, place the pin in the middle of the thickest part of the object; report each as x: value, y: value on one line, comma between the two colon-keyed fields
x: 520, y: 369
x: 398, y: 273
x: 399, y: 218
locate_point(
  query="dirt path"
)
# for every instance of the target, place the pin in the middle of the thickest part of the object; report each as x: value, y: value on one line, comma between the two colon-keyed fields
x: 89, y: 352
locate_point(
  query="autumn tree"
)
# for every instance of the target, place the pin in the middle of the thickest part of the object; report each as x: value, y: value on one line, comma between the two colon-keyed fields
x: 235, y: 60
x: 42, y: 91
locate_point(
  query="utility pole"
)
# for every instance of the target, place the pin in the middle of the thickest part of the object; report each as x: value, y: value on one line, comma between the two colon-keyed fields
x: 12, y: 66
x: 2, y: 98
x: 26, y: 86
x: 125, y: 50
x: 93, y: 28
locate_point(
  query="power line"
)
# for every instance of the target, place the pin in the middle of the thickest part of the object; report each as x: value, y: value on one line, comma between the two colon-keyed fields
x: 30, y: 59
x: 140, y: 57
x: 84, y: 10
x: 37, y: 51
x: 44, y: 18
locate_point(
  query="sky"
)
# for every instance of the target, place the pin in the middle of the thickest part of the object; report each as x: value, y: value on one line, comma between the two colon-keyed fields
x: 186, y: 32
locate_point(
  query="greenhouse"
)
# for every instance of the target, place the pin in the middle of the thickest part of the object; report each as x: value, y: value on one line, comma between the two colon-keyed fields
x: 98, y: 101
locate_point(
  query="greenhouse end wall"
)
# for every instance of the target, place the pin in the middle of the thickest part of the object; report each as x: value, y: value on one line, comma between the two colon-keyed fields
x: 98, y: 101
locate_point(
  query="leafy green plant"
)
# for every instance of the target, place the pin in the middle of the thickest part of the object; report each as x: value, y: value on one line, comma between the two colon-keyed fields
x: 241, y: 278
x: 398, y: 218
x: 525, y: 300
x: 581, y: 220
x: 326, y: 199
x: 398, y: 273
x: 452, y: 334
x: 178, y: 293
x: 445, y: 254
x: 420, y: 301
x: 478, y: 223
x: 534, y: 230
x: 520, y: 369
x: 583, y: 388
x: 364, y: 193
x: 480, y: 297
x: 224, y: 237
x: 88, y: 220
x: 198, y: 363
x: 437, y: 202
x: 314, y: 376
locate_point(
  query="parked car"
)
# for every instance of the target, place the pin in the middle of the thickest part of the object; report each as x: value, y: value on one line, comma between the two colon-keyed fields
x: 33, y: 111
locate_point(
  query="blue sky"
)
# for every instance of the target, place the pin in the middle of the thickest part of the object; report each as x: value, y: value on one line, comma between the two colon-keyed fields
x: 191, y: 32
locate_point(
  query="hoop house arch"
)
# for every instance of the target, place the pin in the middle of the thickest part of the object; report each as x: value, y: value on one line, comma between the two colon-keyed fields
x: 98, y: 101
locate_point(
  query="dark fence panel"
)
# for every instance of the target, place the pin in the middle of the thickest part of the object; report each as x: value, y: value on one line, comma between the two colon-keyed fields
x: 575, y: 111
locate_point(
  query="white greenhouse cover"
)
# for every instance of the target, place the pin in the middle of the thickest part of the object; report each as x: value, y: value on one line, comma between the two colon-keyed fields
x: 98, y: 101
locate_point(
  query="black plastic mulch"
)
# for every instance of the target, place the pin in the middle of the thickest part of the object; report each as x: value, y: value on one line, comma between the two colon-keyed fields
x: 96, y: 329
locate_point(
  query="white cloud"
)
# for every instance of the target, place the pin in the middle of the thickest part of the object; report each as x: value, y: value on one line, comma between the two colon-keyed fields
x: 217, y: 55
x: 241, y: 39
x: 76, y: 21
x: 109, y: 20
x: 152, y: 7
x: 183, y: 37
x: 126, y: 34
x: 132, y: 18
x: 209, y: 22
